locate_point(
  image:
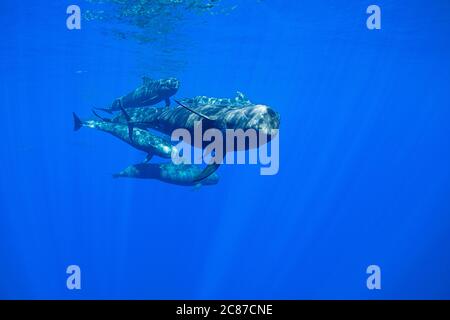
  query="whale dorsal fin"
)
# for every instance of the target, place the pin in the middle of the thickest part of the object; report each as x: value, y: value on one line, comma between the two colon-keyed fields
x: 241, y: 97
x: 146, y: 80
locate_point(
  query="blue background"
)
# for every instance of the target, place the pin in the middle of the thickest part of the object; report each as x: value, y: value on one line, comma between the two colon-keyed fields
x: 364, y: 157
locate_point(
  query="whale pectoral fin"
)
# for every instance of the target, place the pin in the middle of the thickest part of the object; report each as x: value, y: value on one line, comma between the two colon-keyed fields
x: 129, y: 123
x: 212, y: 167
x: 148, y: 158
x: 193, y: 111
x: 100, y: 117
x: 167, y: 100
x: 214, y: 122
x: 104, y: 109
x: 130, y: 131
x: 209, y: 170
x: 150, y: 101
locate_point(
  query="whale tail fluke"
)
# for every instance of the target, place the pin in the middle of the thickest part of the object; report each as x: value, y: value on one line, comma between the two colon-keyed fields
x: 77, y: 123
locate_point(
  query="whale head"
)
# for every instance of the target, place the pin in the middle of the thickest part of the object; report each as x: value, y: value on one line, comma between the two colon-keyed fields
x: 258, y: 117
x: 168, y: 87
x: 264, y: 119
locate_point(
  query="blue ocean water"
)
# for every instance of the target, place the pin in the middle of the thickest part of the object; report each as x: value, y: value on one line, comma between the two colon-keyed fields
x: 364, y: 156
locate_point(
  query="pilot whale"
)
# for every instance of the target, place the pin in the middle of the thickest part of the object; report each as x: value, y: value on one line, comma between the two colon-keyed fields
x: 261, y: 118
x: 181, y: 174
x: 138, y: 138
x: 149, y: 93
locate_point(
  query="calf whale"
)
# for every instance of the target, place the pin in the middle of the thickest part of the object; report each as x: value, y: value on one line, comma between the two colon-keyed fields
x: 181, y: 174
x: 138, y: 138
x: 149, y: 93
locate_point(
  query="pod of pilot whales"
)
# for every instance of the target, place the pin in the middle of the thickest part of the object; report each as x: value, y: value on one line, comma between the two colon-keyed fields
x: 133, y: 114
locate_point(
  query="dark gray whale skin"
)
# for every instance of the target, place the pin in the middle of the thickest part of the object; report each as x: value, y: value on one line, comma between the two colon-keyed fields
x: 149, y: 93
x: 237, y: 102
x: 261, y: 118
x: 254, y: 116
x: 140, y: 139
x: 181, y: 174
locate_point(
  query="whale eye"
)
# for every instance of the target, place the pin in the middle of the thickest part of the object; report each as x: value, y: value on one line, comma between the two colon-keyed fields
x: 271, y: 113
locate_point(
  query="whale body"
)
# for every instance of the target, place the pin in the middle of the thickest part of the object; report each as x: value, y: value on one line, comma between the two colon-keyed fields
x: 149, y: 93
x: 138, y: 138
x: 259, y: 117
x: 181, y: 174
